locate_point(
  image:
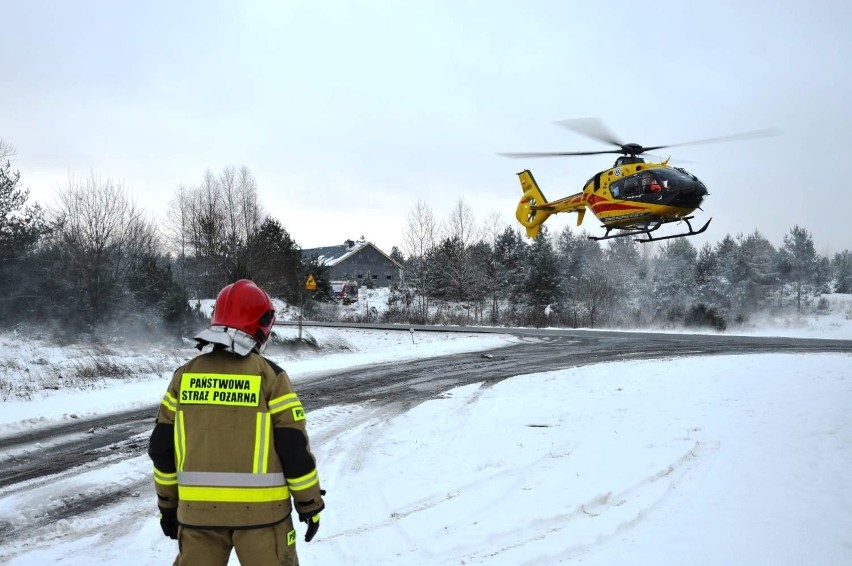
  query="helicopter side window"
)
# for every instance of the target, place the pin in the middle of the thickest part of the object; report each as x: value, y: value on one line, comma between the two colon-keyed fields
x: 631, y: 187
x: 615, y: 189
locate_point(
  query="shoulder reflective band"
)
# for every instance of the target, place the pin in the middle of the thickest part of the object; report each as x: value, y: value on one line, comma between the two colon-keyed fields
x: 169, y: 402
x: 288, y: 401
x: 219, y: 389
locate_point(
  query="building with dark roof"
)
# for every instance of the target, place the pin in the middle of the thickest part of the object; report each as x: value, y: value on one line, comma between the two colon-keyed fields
x: 358, y: 261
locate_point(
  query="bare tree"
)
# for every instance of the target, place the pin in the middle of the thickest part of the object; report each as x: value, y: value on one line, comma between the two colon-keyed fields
x: 250, y: 208
x: 6, y: 149
x: 209, y: 221
x: 421, y: 234
x: 420, y: 240
x: 492, y: 227
x: 461, y: 224
x: 105, y: 236
x: 251, y: 217
x: 458, y: 272
x: 211, y: 227
x: 176, y: 228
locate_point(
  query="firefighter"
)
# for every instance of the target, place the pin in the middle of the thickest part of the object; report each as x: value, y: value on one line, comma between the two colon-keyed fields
x: 230, y: 448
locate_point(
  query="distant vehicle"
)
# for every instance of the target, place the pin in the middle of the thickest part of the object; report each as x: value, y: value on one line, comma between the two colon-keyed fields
x: 345, y: 292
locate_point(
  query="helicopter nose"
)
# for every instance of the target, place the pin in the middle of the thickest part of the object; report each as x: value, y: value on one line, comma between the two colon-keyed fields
x: 697, y: 192
x: 690, y: 194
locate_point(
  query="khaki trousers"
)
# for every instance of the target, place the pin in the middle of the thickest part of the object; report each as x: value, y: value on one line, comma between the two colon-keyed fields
x: 265, y: 546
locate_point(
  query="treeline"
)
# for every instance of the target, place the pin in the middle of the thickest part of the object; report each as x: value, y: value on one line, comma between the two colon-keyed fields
x: 94, y: 264
x: 569, y: 280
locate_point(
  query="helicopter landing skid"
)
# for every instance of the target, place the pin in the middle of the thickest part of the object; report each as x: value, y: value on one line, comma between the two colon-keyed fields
x: 647, y: 232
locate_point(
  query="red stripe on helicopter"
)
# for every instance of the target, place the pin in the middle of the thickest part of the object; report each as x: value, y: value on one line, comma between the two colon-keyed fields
x: 606, y: 207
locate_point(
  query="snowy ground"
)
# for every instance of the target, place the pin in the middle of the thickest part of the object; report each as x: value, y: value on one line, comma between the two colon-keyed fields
x: 705, y: 461
x: 728, y: 460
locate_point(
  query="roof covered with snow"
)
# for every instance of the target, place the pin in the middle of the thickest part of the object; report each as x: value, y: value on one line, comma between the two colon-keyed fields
x: 333, y: 255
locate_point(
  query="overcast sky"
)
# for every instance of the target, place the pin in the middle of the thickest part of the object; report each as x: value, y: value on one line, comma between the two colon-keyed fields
x: 349, y: 112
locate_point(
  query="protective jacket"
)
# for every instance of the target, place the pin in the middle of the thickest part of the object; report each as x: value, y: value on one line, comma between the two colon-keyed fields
x: 230, y: 446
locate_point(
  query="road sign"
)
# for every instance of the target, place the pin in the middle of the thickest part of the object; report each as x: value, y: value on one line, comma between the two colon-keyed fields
x: 311, y: 284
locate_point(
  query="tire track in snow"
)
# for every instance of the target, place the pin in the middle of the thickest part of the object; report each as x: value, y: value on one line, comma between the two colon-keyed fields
x: 629, y: 506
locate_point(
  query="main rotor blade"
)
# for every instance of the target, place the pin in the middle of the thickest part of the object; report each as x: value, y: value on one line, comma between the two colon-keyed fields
x: 556, y: 154
x: 734, y: 137
x: 591, y: 128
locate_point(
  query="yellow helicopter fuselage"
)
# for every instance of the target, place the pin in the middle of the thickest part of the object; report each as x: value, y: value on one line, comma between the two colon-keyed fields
x: 632, y: 195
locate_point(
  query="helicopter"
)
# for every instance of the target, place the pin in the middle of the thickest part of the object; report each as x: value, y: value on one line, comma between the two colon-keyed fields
x: 632, y: 198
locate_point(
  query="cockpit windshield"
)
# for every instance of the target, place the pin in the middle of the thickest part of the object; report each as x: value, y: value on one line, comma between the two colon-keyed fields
x: 672, y: 177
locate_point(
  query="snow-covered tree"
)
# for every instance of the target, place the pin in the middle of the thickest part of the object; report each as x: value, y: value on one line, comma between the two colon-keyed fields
x: 841, y: 269
x: 674, y: 280
x: 580, y: 260
x: 799, y: 262
x: 755, y: 273
x: 21, y: 226
x: 623, y: 264
x: 508, y: 266
x: 543, y: 285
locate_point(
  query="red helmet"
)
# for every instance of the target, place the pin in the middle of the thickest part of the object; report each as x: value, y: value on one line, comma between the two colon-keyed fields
x: 246, y: 307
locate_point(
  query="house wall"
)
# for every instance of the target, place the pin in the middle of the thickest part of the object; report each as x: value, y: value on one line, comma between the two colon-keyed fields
x: 367, y: 264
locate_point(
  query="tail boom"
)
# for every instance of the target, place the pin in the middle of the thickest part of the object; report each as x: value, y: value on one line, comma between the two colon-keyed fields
x: 533, y: 208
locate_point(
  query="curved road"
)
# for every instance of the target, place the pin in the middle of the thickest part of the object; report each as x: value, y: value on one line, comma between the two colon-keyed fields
x: 97, y: 442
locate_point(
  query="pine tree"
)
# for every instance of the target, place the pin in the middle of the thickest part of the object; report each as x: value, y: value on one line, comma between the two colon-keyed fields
x: 21, y: 227
x: 277, y: 261
x: 841, y: 269
x: 579, y: 258
x: 396, y: 255
x: 755, y: 272
x: 674, y: 280
x: 799, y: 262
x: 542, y: 286
x: 508, y: 265
x: 726, y: 252
x: 623, y: 264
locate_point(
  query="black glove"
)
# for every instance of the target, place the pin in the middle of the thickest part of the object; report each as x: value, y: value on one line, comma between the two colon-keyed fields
x: 169, y: 522
x: 312, y: 520
x: 313, y: 525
